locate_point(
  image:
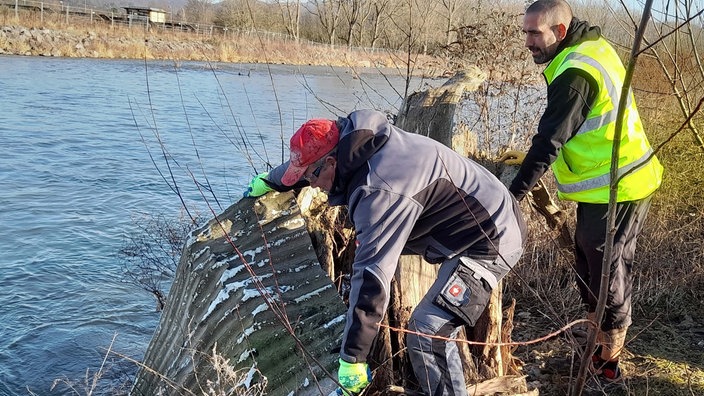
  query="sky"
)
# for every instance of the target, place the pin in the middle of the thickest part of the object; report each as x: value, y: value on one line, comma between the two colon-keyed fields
x: 659, y: 7
x: 657, y: 4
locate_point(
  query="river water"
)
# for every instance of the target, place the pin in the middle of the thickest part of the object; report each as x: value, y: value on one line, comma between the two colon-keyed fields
x: 81, y: 161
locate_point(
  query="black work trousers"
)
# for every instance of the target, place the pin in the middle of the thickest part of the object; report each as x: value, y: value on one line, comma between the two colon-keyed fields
x: 590, y: 238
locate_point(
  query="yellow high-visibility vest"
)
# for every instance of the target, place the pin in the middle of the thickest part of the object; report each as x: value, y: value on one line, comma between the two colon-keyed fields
x: 583, y: 164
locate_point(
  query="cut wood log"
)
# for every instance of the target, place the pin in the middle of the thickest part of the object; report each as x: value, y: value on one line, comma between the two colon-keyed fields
x: 434, y: 112
x: 250, y: 290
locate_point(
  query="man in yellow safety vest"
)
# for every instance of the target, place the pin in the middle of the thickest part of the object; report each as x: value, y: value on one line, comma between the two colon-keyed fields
x: 575, y: 136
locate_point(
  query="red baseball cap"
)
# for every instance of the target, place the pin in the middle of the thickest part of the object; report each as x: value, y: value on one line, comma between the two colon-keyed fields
x: 310, y: 143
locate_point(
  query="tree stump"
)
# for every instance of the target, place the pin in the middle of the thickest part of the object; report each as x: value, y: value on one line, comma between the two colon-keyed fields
x: 434, y: 113
x: 250, y: 307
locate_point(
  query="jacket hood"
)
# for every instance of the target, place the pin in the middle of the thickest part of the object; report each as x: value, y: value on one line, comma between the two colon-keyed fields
x: 577, y: 32
x: 362, y: 134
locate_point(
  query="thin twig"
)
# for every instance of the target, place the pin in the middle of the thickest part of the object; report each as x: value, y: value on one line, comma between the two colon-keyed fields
x: 613, y: 199
x: 493, y: 344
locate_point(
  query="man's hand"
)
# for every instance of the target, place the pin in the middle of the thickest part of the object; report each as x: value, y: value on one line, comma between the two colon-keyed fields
x: 512, y: 157
x: 353, y: 377
x: 257, y: 187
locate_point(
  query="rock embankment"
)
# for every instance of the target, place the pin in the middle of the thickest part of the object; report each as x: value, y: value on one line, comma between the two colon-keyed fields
x: 18, y: 40
x: 120, y: 43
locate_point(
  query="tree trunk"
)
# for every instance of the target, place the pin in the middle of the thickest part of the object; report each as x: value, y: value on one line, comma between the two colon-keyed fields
x: 249, y: 301
x: 434, y: 113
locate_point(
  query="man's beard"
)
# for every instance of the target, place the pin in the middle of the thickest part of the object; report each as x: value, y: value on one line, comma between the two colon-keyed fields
x: 544, y: 55
x: 541, y: 57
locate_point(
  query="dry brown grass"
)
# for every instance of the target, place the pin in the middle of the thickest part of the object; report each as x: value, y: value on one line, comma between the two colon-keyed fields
x: 665, y: 351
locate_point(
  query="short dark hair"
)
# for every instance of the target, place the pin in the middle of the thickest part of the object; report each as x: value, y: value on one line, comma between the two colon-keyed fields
x: 553, y: 11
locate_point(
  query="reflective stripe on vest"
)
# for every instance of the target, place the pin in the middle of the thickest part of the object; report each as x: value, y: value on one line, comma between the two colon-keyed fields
x: 586, y: 178
x: 598, y: 122
x: 604, y: 180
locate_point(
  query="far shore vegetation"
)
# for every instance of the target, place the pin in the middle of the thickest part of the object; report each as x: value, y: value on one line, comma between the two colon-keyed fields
x: 665, y: 346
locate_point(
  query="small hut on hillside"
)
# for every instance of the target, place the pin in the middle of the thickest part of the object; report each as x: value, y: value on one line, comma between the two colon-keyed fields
x: 147, y: 14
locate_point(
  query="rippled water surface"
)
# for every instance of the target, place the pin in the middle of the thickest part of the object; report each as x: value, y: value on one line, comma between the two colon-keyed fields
x: 75, y: 171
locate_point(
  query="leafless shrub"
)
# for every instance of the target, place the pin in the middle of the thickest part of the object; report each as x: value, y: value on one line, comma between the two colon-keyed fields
x: 150, y: 255
x: 504, y: 112
x: 492, y: 41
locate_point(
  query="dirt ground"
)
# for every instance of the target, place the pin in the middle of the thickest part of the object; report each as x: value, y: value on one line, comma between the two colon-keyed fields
x: 664, y: 355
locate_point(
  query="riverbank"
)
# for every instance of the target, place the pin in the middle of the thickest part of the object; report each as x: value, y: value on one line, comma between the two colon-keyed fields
x: 126, y: 44
x: 665, y: 348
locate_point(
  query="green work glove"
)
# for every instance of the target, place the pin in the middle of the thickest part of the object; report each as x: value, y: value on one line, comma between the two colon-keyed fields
x: 258, y: 187
x: 512, y: 157
x: 353, y: 377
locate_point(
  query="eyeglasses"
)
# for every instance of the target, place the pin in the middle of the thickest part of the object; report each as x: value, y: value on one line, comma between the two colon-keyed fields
x: 315, y: 173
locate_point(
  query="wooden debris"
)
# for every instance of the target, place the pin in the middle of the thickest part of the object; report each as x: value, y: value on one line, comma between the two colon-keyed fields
x: 507, y: 385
